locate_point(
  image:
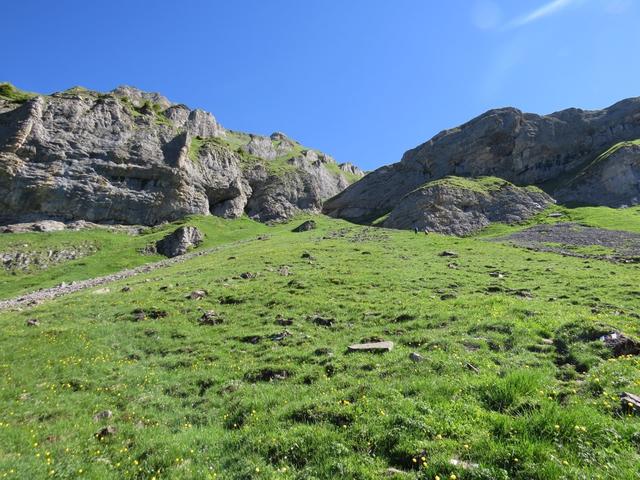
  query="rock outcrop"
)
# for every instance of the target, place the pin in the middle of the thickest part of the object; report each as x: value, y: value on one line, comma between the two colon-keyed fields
x: 462, y: 206
x: 133, y: 157
x: 179, y: 241
x: 549, y: 151
x: 612, y: 179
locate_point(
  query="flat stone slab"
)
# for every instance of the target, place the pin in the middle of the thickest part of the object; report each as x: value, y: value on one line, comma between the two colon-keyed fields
x: 371, y: 347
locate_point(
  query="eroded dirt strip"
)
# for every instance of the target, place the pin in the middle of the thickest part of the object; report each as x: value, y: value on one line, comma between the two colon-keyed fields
x: 39, y: 296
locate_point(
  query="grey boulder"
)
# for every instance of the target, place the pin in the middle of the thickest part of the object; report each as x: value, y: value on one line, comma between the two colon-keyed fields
x: 180, y: 241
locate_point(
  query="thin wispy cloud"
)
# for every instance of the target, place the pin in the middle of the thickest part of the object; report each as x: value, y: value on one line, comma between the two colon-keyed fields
x: 545, y: 10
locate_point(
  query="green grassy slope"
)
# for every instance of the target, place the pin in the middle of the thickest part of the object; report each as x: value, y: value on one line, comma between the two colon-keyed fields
x: 116, y: 250
x: 191, y: 401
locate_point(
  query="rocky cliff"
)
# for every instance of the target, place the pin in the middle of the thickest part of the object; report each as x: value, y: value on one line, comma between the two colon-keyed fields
x: 561, y: 153
x: 134, y: 157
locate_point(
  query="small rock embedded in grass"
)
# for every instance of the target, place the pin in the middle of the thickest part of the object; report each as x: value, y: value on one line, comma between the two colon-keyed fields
x: 284, y: 271
x: 33, y: 322
x: 230, y: 300
x: 447, y: 253
x: 248, y: 275
x: 322, y: 321
x: 305, y: 226
x: 278, y: 337
x: 105, y: 432
x: 630, y: 403
x: 472, y: 367
x: 125, y: 289
x: 102, y: 415
x: 210, y: 318
x: 284, y: 322
x: 267, y: 375
x: 323, y: 352
x: 620, y: 344
x: 252, y: 339
x: 140, y: 314
x: 416, y: 357
x: 197, y: 295
x: 308, y: 256
x: 394, y: 472
x: 371, y: 347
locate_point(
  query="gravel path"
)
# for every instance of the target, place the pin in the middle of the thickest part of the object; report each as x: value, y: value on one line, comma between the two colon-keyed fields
x: 39, y: 296
x: 563, y: 238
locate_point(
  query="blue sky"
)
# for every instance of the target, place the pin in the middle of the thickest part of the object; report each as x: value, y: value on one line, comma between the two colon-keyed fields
x: 363, y: 80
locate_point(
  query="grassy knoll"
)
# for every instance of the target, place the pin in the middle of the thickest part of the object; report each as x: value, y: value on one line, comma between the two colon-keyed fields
x: 514, y: 383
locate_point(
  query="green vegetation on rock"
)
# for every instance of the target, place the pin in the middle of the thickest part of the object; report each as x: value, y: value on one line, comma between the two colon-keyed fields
x: 475, y: 184
x: 12, y: 94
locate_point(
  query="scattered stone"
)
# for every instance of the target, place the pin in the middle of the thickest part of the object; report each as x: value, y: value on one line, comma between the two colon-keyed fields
x: 416, y: 357
x: 252, y: 339
x: 210, y: 318
x: 197, y: 295
x: 449, y: 254
x: 305, y: 226
x: 278, y: 337
x: 630, y: 403
x: 448, y: 296
x: 524, y: 294
x: 33, y: 322
x: 284, y: 271
x: 105, y: 432
x: 472, y: 367
x: 462, y: 464
x: 393, y: 472
x: 371, y: 347
x: 102, y: 415
x: 453, y: 266
x: 323, y: 351
x: 620, y: 344
x: 248, y: 275
x: 555, y: 215
x: 284, y: 322
x: 267, y: 375
x: 102, y: 291
x: 308, y: 256
x: 230, y: 300
x: 125, y: 289
x: 140, y: 314
x: 404, y: 317
x: 178, y: 242
x: 322, y: 321
x: 547, y: 341
x: 496, y: 274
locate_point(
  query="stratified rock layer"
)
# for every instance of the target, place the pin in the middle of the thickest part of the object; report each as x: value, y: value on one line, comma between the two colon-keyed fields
x: 134, y: 157
x: 527, y: 149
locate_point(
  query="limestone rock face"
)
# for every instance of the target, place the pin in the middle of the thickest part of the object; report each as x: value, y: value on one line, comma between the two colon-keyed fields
x: 462, y: 206
x: 523, y: 148
x: 133, y: 157
x: 613, y: 179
